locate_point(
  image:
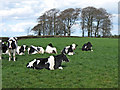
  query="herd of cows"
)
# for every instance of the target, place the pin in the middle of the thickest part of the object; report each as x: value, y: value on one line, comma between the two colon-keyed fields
x: 51, y: 63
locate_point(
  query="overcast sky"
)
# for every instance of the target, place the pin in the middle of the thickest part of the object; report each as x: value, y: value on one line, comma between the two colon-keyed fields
x: 17, y: 16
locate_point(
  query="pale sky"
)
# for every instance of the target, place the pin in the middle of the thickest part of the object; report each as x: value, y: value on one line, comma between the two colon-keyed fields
x: 18, y: 15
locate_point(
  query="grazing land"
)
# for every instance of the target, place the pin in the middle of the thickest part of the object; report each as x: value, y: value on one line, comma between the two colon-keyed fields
x: 97, y: 69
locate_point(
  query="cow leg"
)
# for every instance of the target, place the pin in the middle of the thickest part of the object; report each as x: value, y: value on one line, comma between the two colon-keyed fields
x: 9, y: 56
x: 14, y: 55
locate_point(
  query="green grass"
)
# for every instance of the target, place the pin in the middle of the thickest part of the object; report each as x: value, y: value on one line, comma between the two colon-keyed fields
x: 97, y: 69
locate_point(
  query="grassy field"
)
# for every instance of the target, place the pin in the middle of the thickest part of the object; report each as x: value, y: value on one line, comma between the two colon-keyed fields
x: 97, y: 69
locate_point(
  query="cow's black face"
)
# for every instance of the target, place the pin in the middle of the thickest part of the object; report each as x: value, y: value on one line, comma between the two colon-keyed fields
x: 11, y: 44
x: 50, y: 45
x: 65, y: 58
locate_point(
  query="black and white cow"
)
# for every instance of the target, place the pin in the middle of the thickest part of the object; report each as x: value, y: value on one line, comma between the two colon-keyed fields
x: 69, y: 49
x: 3, y: 49
x: 50, y: 63
x: 50, y: 49
x: 34, y: 50
x: 21, y: 49
x: 12, y: 46
x: 87, y: 47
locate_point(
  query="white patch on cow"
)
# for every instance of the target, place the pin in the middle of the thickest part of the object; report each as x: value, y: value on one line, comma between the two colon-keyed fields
x: 18, y: 48
x: 28, y: 50
x: 38, y: 61
x: 70, y: 53
x: 73, y: 46
x: 31, y: 63
x: 60, y: 68
x: 85, y: 46
x: 51, y: 61
x: 41, y: 50
x: 10, y: 44
x: 50, y: 49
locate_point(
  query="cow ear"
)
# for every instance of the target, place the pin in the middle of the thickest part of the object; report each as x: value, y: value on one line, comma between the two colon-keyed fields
x: 15, y: 38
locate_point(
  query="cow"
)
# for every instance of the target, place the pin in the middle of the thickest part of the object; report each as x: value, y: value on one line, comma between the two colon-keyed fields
x: 50, y: 49
x: 21, y: 49
x: 3, y: 49
x: 12, y: 46
x: 69, y: 49
x: 34, y: 50
x: 50, y: 63
x: 87, y: 47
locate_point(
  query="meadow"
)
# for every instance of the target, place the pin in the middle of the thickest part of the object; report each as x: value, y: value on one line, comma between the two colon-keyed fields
x: 97, y: 69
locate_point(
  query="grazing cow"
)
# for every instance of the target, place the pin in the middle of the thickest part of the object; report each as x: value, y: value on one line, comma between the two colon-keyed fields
x: 34, y: 50
x: 50, y: 49
x: 50, y: 63
x: 21, y: 49
x: 69, y: 49
x: 87, y: 47
x: 12, y: 46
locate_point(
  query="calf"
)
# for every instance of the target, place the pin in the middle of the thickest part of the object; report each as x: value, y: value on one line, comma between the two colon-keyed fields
x: 69, y: 49
x: 34, y: 50
x: 21, y: 49
x: 50, y: 49
x: 87, y: 47
x: 50, y: 63
x: 12, y: 46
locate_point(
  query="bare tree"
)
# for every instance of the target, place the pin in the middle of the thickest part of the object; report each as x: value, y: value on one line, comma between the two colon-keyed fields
x: 69, y: 16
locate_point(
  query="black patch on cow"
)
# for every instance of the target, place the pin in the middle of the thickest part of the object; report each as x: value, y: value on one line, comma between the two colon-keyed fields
x: 53, y: 51
x: 70, y: 49
x: 31, y: 50
x: 42, y: 64
x: 13, y: 45
x: 4, y: 48
x: 50, y: 45
x: 38, y: 49
x: 21, y: 49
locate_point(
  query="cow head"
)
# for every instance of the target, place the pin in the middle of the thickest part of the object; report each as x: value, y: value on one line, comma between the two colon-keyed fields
x: 50, y: 45
x: 65, y: 57
x: 74, y: 46
x: 12, y: 43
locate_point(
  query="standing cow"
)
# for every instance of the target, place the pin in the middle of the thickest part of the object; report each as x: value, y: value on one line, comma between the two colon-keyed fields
x: 12, y: 46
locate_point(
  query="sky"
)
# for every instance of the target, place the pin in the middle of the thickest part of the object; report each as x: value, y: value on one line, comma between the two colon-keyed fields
x: 16, y: 16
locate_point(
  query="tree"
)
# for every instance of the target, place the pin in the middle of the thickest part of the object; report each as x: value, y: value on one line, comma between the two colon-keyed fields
x: 69, y: 16
x: 87, y: 17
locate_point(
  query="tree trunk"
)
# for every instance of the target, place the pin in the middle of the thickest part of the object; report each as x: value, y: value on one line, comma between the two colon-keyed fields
x: 83, y: 33
x: 39, y: 32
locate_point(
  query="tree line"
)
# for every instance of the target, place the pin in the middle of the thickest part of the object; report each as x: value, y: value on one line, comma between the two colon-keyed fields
x: 92, y: 21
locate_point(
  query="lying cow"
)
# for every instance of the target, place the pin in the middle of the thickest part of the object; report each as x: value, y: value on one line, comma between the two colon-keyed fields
x: 34, y: 50
x: 12, y: 46
x: 87, y: 47
x: 50, y: 49
x: 21, y: 49
x: 50, y: 63
x: 69, y: 49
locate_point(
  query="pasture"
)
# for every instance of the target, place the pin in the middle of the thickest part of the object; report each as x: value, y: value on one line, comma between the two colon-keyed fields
x: 97, y: 69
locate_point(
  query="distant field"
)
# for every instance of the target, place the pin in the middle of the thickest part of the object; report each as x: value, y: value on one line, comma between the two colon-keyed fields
x: 97, y: 69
